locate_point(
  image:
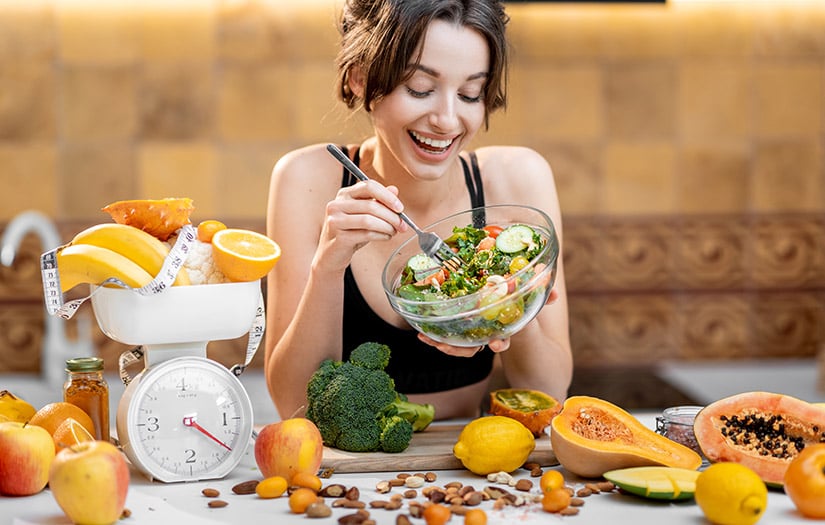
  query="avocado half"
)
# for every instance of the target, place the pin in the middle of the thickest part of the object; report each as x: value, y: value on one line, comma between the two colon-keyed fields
x: 664, y: 483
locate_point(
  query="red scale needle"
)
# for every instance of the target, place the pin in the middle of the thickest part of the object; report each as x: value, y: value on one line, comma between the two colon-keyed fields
x: 190, y: 421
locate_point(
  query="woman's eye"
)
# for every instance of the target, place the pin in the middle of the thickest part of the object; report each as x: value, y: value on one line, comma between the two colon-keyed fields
x: 417, y: 94
x: 467, y: 98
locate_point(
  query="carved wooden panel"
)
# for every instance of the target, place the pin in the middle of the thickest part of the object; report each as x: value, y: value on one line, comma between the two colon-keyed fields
x: 645, y: 289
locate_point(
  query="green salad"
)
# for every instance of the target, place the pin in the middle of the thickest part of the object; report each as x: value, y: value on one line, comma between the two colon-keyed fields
x: 495, y: 262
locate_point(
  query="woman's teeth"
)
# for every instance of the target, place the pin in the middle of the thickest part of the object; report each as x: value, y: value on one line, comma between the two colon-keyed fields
x: 433, y: 144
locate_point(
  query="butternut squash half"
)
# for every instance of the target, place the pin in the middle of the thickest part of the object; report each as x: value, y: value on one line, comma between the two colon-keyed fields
x: 591, y: 436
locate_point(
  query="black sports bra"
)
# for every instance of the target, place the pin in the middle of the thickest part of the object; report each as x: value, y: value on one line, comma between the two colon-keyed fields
x: 416, y: 367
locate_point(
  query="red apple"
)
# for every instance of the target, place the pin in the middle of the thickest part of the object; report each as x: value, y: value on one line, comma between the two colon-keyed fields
x: 25, y: 458
x: 288, y: 447
x: 89, y: 481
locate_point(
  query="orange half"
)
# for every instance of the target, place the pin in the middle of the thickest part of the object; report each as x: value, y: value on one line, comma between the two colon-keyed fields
x: 54, y: 414
x: 69, y: 433
x: 244, y: 255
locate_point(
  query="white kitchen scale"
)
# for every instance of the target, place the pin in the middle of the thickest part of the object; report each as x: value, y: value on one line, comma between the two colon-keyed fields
x: 184, y: 417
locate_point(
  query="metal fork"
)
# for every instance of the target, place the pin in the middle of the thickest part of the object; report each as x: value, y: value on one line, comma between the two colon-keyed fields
x: 430, y: 243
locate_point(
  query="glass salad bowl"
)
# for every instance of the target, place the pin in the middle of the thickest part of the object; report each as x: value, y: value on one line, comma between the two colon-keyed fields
x: 509, y: 258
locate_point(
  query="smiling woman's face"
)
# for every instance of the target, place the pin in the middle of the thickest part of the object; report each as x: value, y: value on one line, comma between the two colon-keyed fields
x: 428, y: 119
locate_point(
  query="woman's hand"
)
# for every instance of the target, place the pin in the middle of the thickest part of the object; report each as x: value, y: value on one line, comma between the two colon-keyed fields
x: 359, y: 214
x: 496, y: 345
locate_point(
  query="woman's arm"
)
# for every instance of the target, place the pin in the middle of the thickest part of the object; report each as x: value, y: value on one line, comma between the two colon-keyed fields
x: 319, y: 227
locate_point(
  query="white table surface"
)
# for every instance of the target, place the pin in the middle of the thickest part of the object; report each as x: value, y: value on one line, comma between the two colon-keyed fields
x: 182, y: 503
x: 158, y: 503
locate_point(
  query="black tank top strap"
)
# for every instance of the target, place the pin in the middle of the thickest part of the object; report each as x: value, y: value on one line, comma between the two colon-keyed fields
x: 472, y: 177
x: 348, y: 179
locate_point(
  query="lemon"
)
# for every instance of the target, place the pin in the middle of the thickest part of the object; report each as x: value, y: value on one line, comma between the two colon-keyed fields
x: 493, y: 444
x: 244, y: 255
x: 731, y: 494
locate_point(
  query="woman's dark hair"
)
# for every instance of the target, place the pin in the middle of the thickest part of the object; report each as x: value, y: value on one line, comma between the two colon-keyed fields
x: 381, y: 37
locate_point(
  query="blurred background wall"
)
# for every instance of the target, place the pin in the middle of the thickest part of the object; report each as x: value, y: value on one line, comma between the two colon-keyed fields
x: 687, y: 140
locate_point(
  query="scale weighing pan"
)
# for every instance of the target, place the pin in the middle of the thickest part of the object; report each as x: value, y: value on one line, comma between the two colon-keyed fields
x: 178, y: 315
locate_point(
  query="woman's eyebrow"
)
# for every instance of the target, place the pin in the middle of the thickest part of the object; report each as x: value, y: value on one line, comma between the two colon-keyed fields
x: 433, y: 73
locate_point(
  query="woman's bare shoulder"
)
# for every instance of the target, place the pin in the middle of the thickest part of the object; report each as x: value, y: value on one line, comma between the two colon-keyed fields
x: 509, y: 158
x: 304, y: 180
x: 306, y: 162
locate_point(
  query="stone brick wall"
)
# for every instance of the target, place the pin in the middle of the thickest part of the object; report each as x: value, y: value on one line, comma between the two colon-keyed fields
x: 688, y: 142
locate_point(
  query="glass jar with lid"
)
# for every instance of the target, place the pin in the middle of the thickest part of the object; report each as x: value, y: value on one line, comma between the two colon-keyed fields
x: 87, y: 389
x: 676, y: 424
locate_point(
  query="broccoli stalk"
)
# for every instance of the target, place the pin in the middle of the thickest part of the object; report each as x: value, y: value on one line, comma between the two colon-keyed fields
x: 420, y: 416
x: 356, y: 407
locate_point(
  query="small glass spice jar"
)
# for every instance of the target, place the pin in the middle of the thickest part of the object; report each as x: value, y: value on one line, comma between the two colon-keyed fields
x: 676, y: 424
x: 87, y: 389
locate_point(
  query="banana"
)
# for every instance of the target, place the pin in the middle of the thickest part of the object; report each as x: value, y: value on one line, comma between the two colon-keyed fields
x: 87, y: 263
x: 133, y: 243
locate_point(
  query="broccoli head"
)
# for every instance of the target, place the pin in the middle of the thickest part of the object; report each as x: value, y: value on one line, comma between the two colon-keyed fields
x: 396, y: 433
x: 356, y: 407
x: 374, y: 356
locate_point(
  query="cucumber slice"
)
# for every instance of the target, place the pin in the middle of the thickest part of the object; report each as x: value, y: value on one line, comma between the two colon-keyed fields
x: 515, y: 238
x: 422, y: 266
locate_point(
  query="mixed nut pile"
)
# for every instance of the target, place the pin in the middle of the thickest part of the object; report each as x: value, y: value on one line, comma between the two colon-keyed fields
x: 416, y: 491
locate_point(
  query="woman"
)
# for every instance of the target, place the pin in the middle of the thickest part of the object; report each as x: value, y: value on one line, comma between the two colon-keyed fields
x: 428, y: 73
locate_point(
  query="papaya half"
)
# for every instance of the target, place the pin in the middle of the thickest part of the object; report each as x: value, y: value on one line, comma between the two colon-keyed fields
x: 762, y: 430
x: 532, y: 408
x: 591, y: 436
x: 160, y: 217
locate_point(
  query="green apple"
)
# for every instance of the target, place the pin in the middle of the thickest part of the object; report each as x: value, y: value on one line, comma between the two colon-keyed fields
x: 26, y: 453
x: 90, y: 481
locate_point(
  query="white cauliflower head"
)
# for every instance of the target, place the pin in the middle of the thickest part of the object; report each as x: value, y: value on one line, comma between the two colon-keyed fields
x: 201, y: 265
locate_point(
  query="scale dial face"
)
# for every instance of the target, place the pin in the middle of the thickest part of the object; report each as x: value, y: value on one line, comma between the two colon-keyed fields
x: 185, y: 419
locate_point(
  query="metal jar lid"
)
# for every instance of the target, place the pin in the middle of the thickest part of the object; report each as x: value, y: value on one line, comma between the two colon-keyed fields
x: 84, y: 364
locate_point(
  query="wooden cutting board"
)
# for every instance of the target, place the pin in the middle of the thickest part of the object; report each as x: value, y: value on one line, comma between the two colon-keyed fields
x: 431, y: 449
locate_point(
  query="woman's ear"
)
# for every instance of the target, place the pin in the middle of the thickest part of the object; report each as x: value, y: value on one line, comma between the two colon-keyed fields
x: 356, y: 81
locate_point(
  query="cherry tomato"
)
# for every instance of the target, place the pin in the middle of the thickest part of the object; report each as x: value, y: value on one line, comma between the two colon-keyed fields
x: 805, y: 481
x: 208, y: 228
x: 492, y: 230
x: 555, y: 500
x: 517, y: 263
x: 475, y: 517
x: 492, y: 312
x: 510, y: 312
x: 550, y: 480
x: 436, y: 514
